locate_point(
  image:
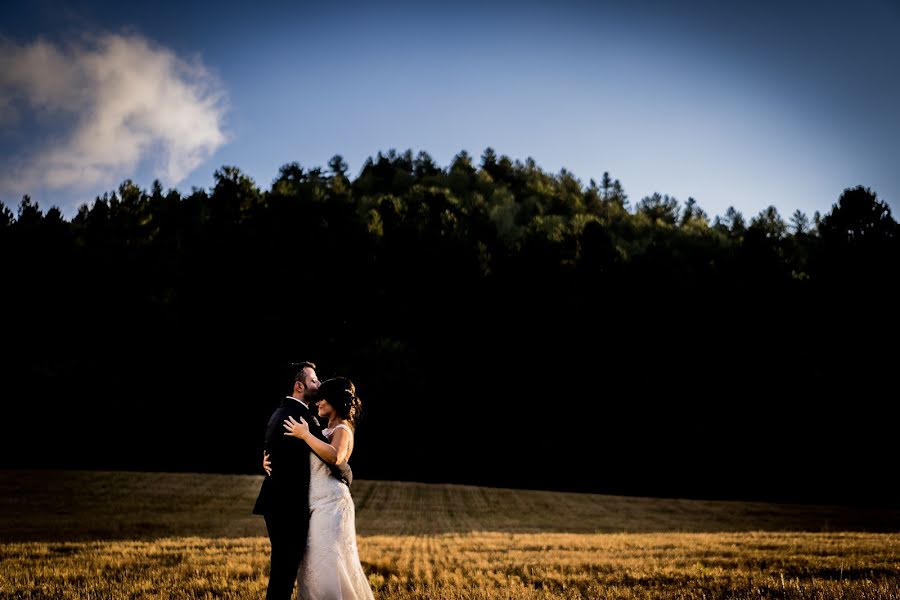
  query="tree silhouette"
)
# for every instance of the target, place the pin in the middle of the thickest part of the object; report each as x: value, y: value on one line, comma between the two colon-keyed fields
x: 859, y: 241
x: 859, y: 218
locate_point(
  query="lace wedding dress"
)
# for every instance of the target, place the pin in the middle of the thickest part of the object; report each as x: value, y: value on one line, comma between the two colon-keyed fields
x: 331, y: 569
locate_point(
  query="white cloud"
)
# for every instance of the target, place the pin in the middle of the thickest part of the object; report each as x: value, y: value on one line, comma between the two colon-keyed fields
x: 111, y: 102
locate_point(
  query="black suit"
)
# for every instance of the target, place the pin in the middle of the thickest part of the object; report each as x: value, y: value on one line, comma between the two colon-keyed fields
x: 284, y: 497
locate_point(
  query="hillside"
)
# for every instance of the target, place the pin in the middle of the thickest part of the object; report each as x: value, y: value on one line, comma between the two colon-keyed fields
x: 85, y: 505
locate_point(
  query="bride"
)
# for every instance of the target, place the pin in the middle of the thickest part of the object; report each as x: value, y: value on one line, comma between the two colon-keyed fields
x: 331, y: 567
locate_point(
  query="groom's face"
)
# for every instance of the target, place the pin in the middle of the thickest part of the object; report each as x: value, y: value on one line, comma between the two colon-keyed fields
x: 310, y: 384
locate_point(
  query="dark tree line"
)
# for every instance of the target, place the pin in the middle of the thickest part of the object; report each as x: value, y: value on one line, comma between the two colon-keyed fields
x: 505, y: 325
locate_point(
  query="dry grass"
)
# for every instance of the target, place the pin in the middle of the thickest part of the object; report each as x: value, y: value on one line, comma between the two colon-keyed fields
x: 491, y: 566
x: 191, y: 536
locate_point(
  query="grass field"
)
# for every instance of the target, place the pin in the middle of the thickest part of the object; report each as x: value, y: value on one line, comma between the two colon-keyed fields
x: 135, y: 535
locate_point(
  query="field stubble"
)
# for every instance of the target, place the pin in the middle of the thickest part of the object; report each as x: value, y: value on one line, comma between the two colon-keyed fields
x: 132, y: 535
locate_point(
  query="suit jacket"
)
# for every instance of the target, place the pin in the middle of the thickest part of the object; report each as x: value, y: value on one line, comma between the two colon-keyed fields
x: 286, y: 490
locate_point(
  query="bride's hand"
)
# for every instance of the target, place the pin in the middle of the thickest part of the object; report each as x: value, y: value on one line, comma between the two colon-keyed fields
x: 267, y: 464
x: 298, y: 430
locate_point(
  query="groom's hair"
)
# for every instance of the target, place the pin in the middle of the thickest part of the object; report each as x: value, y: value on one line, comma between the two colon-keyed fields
x: 298, y: 367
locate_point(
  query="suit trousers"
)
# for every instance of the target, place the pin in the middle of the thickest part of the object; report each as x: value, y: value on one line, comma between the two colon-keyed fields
x: 287, y: 534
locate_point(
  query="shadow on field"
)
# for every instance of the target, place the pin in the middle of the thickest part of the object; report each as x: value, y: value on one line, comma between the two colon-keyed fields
x: 88, y: 505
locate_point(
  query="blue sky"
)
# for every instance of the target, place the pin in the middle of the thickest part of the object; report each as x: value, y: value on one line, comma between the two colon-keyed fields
x: 727, y: 103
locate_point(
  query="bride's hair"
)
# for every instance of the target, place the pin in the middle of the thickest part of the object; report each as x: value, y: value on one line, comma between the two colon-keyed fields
x: 341, y: 394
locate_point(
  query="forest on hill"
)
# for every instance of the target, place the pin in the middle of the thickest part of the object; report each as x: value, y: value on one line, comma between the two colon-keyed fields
x: 504, y: 325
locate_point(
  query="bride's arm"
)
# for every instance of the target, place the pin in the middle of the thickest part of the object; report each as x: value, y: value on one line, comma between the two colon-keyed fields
x: 341, y: 442
x: 335, y: 453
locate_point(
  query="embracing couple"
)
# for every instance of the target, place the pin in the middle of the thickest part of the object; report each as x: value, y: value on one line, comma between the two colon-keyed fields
x: 305, y: 497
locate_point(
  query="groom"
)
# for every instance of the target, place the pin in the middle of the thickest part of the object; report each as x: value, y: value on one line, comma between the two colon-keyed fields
x: 284, y: 497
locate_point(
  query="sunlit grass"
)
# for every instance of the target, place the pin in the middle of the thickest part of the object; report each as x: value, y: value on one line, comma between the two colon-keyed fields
x: 155, y: 535
x: 480, y: 565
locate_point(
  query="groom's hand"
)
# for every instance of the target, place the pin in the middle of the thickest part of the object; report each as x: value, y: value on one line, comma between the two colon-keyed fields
x: 267, y: 464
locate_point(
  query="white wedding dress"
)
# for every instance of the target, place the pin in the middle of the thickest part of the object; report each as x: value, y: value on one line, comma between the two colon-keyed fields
x: 331, y: 569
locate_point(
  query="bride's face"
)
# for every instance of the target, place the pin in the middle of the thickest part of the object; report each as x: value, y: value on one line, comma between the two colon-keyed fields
x: 325, y: 409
